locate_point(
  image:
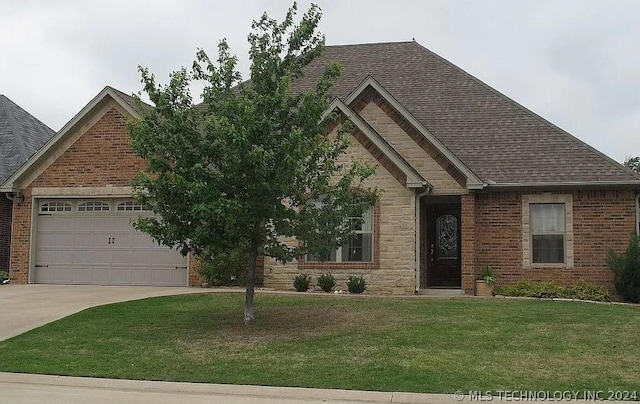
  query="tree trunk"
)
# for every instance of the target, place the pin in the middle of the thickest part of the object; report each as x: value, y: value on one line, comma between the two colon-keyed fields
x: 251, y: 280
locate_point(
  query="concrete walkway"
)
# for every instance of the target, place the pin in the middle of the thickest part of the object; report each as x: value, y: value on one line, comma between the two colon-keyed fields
x: 25, y: 307
x: 23, y: 389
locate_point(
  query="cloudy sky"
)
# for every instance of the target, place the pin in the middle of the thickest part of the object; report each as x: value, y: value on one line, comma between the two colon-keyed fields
x: 575, y: 62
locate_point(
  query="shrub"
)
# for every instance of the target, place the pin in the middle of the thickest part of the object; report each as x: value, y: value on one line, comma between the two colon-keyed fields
x: 228, y: 269
x: 626, y: 269
x: 356, y: 284
x: 4, y: 277
x: 584, y: 290
x: 301, y: 282
x: 534, y: 289
x: 326, y: 282
x: 581, y: 290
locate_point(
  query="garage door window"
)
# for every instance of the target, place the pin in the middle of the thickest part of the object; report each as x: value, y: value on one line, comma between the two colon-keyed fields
x: 93, y: 206
x: 58, y: 206
x: 131, y: 206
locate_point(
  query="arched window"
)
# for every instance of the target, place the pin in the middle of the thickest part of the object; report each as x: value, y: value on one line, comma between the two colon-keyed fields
x: 93, y: 206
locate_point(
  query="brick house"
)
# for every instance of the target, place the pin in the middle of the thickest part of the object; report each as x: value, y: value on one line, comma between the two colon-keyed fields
x: 469, y: 178
x: 21, y: 135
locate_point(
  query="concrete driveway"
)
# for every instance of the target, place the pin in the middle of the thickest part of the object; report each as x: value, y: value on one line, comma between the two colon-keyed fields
x: 25, y: 307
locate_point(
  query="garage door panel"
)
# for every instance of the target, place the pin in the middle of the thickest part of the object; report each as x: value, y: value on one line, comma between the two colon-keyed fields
x: 102, y: 247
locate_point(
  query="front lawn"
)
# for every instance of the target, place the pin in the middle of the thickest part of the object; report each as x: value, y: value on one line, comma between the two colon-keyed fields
x: 364, y: 343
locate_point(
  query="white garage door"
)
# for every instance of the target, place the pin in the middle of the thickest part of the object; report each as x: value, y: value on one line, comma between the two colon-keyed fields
x: 93, y: 242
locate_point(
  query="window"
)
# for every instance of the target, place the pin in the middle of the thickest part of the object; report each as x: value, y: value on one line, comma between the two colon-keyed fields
x: 58, y: 206
x: 93, y: 206
x: 131, y: 206
x: 547, y: 232
x: 359, y: 248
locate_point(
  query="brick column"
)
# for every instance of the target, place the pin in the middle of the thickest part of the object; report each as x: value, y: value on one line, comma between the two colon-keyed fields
x: 468, y: 219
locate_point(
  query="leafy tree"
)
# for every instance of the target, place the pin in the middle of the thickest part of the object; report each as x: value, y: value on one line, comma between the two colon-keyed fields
x: 247, y: 167
x: 633, y: 164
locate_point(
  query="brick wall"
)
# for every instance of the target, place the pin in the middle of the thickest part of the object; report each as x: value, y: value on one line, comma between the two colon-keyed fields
x: 5, y: 231
x: 98, y: 157
x: 603, y: 220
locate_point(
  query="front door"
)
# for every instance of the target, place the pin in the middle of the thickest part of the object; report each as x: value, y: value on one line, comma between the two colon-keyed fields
x: 443, y: 246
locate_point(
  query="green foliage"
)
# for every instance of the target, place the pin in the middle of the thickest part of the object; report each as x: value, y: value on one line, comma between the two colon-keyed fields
x: 581, y: 290
x: 584, y: 290
x: 356, y: 284
x: 487, y: 275
x: 326, y: 282
x: 626, y: 269
x: 302, y: 282
x: 247, y: 165
x: 226, y: 269
x: 633, y: 164
x: 4, y: 276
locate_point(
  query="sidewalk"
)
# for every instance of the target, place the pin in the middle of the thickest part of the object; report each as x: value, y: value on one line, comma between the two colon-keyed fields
x: 26, y: 388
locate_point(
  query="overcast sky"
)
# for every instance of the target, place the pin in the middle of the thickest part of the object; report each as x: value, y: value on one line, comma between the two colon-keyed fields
x: 576, y: 63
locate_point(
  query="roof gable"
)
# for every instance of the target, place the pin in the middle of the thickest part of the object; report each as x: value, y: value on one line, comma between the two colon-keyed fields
x: 125, y: 102
x: 499, y: 141
x: 413, y: 178
x: 21, y: 134
x: 473, y: 182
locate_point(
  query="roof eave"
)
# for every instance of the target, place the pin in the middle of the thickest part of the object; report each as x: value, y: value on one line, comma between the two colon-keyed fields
x: 566, y: 184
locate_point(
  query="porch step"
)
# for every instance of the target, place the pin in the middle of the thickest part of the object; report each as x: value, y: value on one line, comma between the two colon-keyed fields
x: 443, y: 292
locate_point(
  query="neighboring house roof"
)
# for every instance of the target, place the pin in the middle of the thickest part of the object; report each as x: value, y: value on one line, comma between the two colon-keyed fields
x: 499, y: 140
x: 21, y: 135
x: 127, y: 102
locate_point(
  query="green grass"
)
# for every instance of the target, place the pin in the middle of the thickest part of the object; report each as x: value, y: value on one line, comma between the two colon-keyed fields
x: 370, y: 343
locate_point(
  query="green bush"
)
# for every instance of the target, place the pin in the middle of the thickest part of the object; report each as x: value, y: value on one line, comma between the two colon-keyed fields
x: 584, y: 290
x: 228, y: 269
x: 581, y: 290
x: 326, y: 282
x: 626, y: 269
x: 301, y: 282
x: 356, y: 284
x: 4, y: 277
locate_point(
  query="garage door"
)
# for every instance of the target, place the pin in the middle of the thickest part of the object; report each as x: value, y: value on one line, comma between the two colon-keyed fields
x: 93, y: 242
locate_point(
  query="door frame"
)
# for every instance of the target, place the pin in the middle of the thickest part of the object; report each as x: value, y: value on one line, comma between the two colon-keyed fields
x: 448, y: 202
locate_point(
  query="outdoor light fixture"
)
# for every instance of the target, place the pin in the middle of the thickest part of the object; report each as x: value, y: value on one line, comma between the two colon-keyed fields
x: 19, y: 198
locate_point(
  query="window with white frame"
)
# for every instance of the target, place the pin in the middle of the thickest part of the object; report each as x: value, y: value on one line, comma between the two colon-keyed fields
x: 93, y: 206
x: 547, y: 230
x: 55, y: 206
x: 358, y: 249
x: 131, y: 206
x: 547, y: 222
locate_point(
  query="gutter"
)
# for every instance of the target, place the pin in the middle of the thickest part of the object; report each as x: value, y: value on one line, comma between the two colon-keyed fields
x: 564, y: 184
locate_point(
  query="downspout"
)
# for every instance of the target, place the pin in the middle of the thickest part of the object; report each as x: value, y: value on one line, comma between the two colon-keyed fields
x: 638, y: 214
x: 417, y: 238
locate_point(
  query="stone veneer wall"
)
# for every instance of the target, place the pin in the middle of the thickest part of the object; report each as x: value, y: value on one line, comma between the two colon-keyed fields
x: 393, y: 269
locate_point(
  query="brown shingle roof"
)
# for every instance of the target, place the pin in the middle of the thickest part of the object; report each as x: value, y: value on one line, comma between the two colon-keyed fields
x: 495, y: 137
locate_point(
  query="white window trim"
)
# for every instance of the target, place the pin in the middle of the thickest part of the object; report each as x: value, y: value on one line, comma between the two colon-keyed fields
x: 48, y: 204
x: 130, y: 206
x: 547, y: 197
x: 91, y: 205
x: 356, y: 232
